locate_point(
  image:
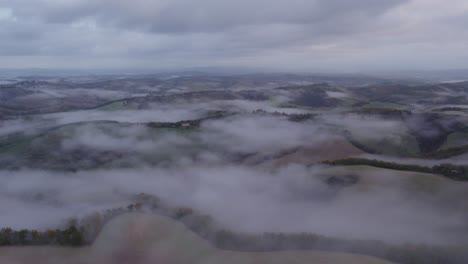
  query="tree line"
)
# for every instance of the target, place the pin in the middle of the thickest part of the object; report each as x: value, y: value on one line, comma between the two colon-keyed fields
x: 70, y: 236
x: 451, y: 171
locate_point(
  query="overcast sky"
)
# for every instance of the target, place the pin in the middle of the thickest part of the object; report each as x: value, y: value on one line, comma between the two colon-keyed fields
x: 299, y: 35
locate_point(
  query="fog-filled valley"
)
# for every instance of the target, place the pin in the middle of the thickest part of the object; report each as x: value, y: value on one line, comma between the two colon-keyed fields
x: 348, y: 159
x: 233, y: 132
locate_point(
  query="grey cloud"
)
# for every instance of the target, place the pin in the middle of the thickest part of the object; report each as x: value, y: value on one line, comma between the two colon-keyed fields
x: 286, y: 35
x: 203, y: 16
x: 229, y: 26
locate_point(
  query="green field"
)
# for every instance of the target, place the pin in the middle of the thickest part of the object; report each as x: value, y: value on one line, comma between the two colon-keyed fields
x: 414, y: 182
x: 393, y: 144
x: 119, y: 105
x: 456, y: 139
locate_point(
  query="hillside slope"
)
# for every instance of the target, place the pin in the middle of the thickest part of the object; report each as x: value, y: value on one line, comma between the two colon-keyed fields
x: 140, y: 238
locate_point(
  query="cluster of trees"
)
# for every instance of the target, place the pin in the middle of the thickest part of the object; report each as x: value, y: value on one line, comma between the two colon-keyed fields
x: 300, y: 117
x: 443, y: 109
x: 71, y: 236
x: 454, y: 172
x: 291, y: 117
x: 181, y: 124
x: 188, y: 124
x: 383, y: 112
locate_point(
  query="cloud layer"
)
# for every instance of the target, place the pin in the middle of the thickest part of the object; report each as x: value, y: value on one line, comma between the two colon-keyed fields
x: 285, y: 35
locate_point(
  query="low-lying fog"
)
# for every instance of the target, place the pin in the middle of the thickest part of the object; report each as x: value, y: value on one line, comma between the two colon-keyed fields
x: 290, y: 198
x: 154, y: 112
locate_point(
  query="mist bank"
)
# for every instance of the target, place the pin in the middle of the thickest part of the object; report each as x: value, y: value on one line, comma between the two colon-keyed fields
x: 293, y: 199
x: 256, y: 168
